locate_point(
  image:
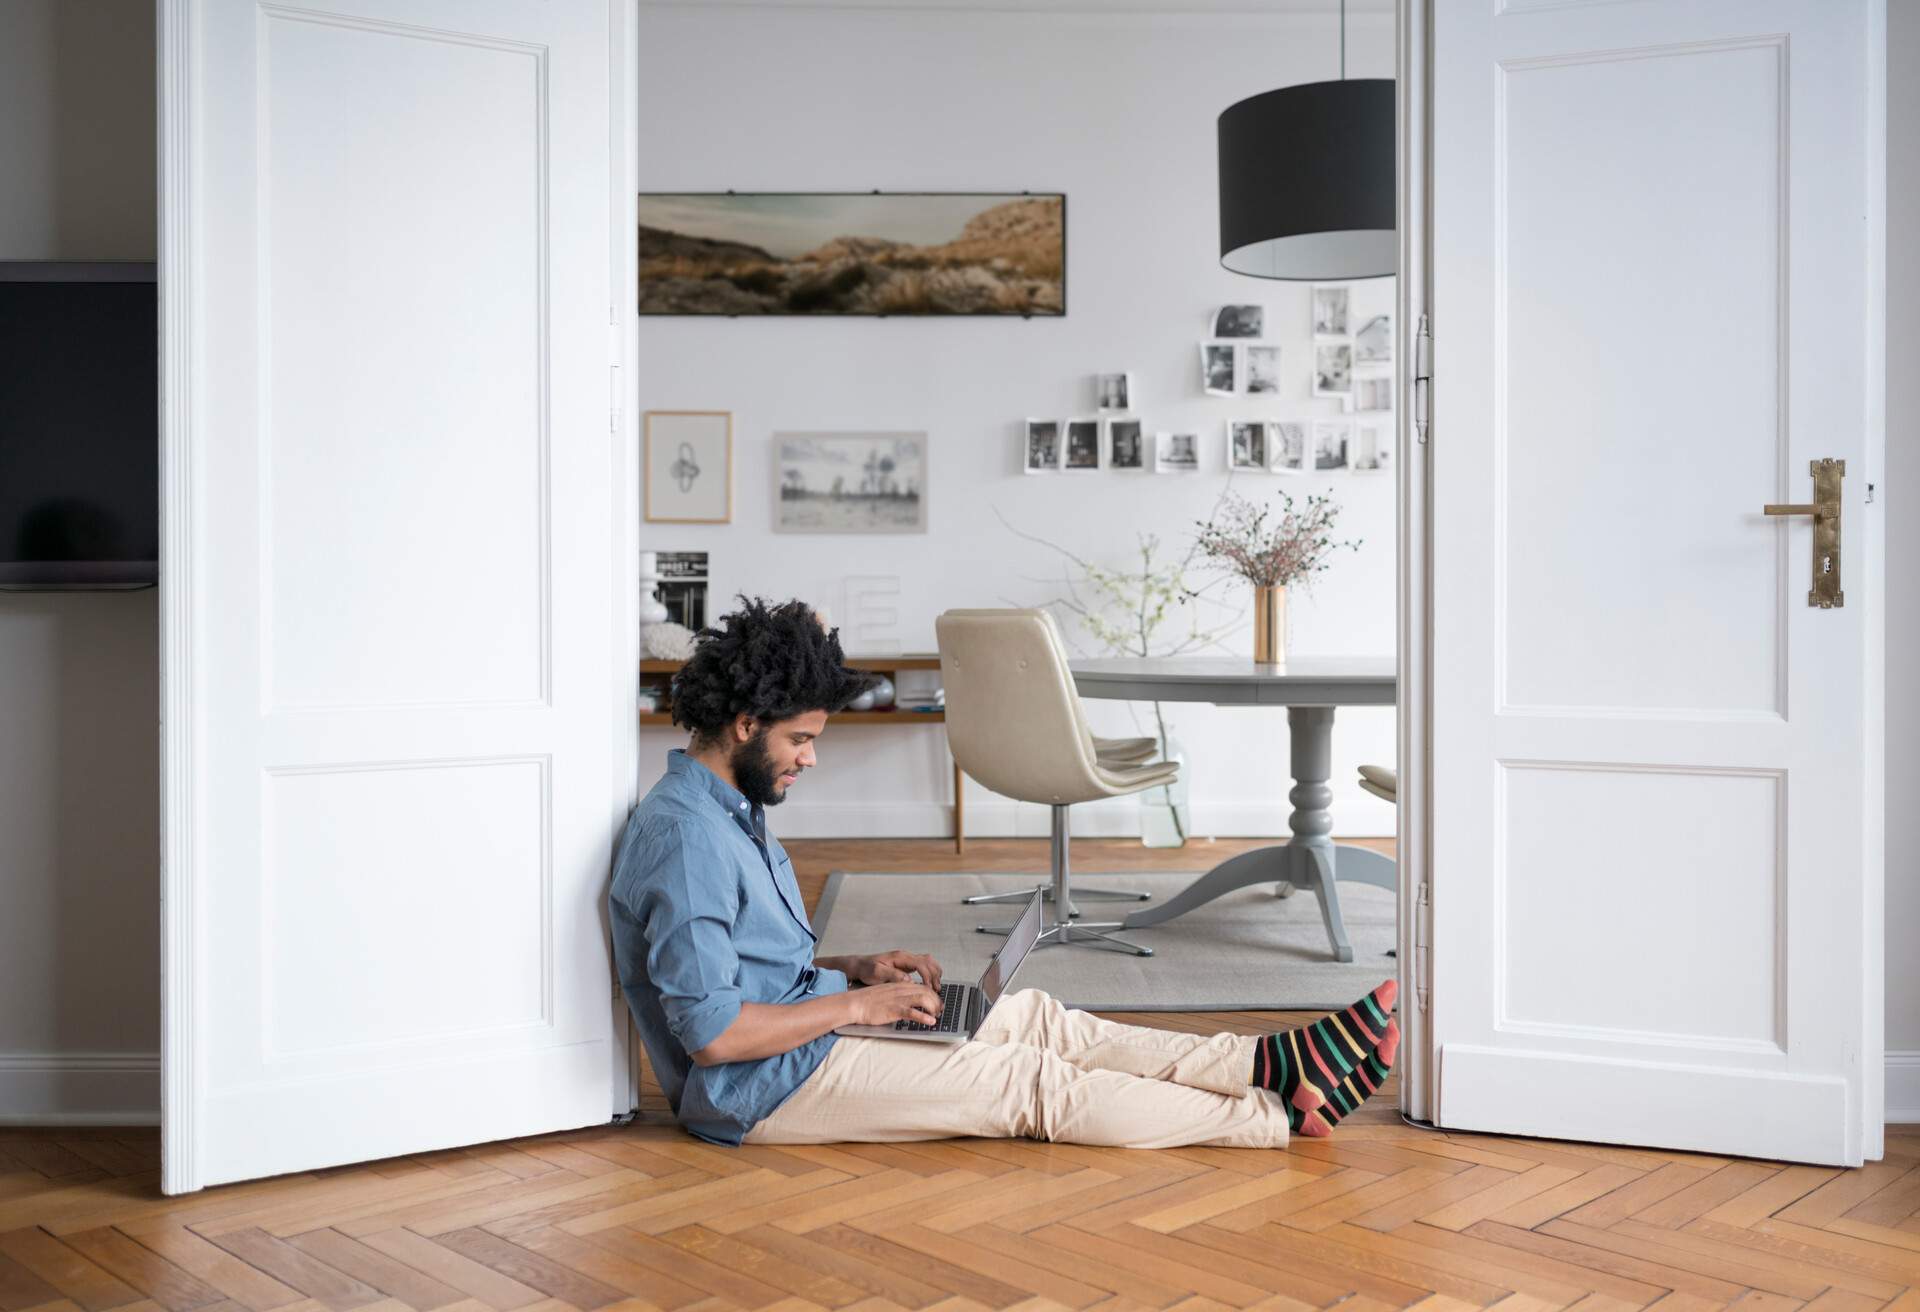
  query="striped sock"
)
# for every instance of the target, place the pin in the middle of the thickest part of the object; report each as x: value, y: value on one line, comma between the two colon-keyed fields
x: 1325, y: 1070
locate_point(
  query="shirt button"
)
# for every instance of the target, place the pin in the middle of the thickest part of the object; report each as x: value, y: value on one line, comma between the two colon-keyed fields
x: 743, y: 806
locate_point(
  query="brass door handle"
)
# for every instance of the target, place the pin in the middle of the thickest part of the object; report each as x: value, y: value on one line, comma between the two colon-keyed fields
x: 1827, y: 475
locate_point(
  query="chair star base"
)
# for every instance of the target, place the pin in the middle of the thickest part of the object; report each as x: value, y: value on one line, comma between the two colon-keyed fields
x: 1063, y: 933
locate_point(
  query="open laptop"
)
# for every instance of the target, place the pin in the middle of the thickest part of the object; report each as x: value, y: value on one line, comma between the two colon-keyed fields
x: 964, y: 1007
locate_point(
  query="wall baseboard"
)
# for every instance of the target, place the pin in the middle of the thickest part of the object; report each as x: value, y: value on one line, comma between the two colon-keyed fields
x: 1903, y: 1088
x: 123, y: 1088
x: 79, y: 1088
x: 1020, y: 820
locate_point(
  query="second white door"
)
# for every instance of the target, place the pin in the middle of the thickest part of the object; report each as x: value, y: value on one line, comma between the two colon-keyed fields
x: 1655, y: 304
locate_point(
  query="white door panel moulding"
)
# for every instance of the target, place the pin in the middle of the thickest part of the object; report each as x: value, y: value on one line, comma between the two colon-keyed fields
x: 396, y: 585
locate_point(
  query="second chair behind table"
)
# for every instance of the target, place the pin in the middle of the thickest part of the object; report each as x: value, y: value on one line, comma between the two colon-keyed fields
x: 1014, y: 722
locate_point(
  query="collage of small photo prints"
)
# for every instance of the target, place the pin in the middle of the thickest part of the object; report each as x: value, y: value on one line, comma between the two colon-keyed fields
x: 1352, y: 365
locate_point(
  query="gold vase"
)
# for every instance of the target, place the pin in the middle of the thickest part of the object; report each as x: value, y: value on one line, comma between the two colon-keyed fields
x: 1270, y: 626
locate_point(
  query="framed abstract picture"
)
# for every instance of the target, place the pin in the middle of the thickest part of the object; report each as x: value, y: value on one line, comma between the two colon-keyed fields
x: 687, y: 466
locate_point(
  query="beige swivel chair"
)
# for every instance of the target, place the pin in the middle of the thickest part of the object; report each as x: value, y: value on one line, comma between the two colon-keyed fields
x: 1111, y: 751
x: 1381, y: 782
x: 1014, y: 723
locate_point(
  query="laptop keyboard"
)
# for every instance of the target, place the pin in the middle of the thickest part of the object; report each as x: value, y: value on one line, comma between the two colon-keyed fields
x: 953, y: 1013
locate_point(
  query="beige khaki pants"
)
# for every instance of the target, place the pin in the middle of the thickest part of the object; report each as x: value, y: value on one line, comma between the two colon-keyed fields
x: 1037, y: 1070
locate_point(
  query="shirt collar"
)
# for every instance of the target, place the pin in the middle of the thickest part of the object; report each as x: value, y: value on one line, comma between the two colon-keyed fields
x: 731, y: 799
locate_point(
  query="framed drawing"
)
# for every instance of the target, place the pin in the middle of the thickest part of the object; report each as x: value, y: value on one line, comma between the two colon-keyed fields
x: 687, y: 459
x: 850, y: 482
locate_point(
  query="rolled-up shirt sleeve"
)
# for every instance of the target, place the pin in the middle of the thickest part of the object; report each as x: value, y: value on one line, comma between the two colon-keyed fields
x: 688, y: 910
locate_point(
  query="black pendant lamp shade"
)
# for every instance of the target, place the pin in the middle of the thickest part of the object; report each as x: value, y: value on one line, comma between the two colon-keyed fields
x: 1307, y: 182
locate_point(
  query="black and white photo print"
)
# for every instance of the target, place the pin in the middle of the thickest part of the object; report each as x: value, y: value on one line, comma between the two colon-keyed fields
x: 1330, y: 311
x: 1333, y: 368
x: 1331, y: 438
x: 1240, y: 321
x: 1373, y: 343
x: 1373, y: 446
x: 1083, y: 444
x: 1373, y: 393
x: 1246, y: 445
x: 1177, y: 453
x: 1287, y: 445
x: 1218, y: 371
x: 1043, y: 445
x: 1113, y: 391
x: 1125, y: 450
x: 1263, y: 370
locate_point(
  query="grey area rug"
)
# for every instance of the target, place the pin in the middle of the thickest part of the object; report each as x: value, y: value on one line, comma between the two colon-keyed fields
x: 1246, y: 951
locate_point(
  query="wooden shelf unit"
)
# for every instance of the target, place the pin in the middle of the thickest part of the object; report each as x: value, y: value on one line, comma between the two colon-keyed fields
x: 891, y: 666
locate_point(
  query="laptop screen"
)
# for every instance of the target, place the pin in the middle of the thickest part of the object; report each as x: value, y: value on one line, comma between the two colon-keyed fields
x: 1020, y: 941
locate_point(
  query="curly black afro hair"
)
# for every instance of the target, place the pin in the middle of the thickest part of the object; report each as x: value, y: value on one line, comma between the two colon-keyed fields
x: 770, y: 662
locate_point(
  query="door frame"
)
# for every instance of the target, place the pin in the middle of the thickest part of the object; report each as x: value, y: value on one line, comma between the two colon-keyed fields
x: 1419, y: 1064
x: 1414, y: 583
x: 183, y: 786
x: 623, y: 387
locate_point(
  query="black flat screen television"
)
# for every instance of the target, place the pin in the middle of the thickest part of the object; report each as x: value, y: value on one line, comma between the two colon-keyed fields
x: 79, y: 425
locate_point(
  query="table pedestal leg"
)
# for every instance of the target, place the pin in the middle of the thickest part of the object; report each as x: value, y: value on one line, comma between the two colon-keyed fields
x: 1310, y: 734
x: 1309, y: 859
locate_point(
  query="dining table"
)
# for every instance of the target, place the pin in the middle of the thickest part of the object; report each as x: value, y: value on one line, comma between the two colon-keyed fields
x: 1311, y: 688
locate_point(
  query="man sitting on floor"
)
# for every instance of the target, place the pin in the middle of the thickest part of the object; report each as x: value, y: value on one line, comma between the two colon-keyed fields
x: 716, y: 961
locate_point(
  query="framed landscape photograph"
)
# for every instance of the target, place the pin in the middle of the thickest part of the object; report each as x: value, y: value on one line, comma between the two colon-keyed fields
x: 853, y: 253
x: 850, y: 482
x: 687, y: 466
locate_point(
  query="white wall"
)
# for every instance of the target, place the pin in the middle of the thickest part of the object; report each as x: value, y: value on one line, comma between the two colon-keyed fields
x: 1116, y: 110
x: 79, y: 673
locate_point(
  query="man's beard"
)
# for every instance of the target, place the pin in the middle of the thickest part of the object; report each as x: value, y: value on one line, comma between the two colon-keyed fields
x: 754, y: 772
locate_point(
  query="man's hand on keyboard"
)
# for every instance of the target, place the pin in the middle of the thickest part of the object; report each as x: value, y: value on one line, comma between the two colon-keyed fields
x: 883, y: 1004
x: 896, y: 966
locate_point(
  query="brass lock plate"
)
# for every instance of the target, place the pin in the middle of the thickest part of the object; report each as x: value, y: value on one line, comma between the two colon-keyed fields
x: 1827, y: 476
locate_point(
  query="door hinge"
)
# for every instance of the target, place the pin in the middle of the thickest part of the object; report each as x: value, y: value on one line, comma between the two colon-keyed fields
x: 1422, y: 956
x: 613, y: 378
x: 1422, y: 379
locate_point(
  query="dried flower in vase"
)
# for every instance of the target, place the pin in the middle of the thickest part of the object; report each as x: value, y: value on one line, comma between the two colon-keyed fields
x: 1270, y: 551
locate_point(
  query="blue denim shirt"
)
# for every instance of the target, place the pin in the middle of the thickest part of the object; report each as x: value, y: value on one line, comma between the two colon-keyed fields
x: 707, y: 915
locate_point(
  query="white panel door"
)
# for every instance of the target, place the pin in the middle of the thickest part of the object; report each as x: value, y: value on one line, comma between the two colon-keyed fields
x: 1655, y: 299
x: 391, y: 506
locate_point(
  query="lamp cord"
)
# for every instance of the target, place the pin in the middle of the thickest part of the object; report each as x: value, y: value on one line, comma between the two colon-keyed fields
x: 1343, y: 40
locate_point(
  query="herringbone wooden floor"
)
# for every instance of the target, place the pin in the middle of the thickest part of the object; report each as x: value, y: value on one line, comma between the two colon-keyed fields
x: 1382, y: 1216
